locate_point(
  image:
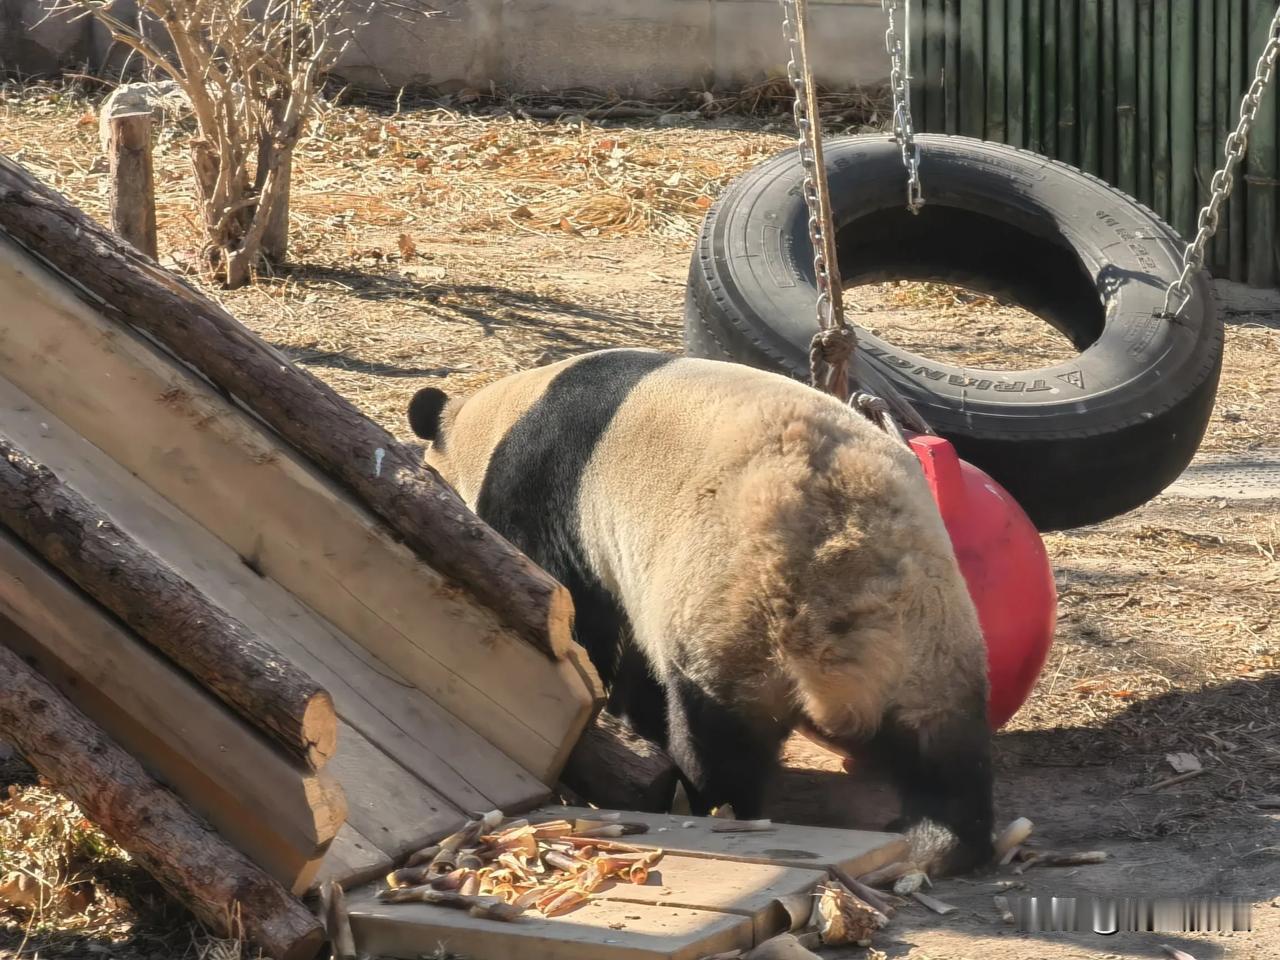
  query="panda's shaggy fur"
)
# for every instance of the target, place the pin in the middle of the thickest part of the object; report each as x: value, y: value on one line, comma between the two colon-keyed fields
x: 746, y: 555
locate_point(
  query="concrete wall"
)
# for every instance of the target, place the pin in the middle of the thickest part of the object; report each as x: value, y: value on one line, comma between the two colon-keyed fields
x: 635, y: 47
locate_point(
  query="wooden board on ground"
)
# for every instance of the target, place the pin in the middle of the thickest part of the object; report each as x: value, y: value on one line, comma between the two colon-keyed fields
x: 815, y: 848
x: 203, y: 453
x: 599, y: 930
x: 351, y: 859
x: 747, y: 889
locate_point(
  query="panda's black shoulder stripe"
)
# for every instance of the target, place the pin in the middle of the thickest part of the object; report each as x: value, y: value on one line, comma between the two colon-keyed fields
x: 536, y: 469
x: 531, y: 484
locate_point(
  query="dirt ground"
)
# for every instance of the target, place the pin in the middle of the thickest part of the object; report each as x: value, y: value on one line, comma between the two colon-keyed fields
x: 437, y: 248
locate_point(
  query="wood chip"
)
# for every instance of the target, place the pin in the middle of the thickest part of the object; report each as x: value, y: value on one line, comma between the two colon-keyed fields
x: 1011, y: 837
x: 1183, y: 762
x: 842, y: 918
x: 863, y: 891
x: 1173, y: 781
x: 783, y: 947
x: 1173, y: 953
x: 937, y: 906
x: 909, y: 883
x: 886, y: 875
x: 742, y: 826
x: 1002, y: 905
x: 337, y: 923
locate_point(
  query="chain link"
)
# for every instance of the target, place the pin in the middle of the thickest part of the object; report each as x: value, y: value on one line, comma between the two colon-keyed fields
x: 1224, y: 179
x: 825, y: 265
x: 900, y: 82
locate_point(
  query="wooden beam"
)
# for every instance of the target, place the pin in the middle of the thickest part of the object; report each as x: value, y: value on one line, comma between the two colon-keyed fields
x: 410, y: 497
x: 613, y: 767
x: 148, y: 821
x: 273, y: 810
x: 133, y: 191
x: 85, y: 544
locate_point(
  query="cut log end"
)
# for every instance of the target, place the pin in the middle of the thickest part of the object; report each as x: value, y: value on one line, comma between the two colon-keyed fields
x: 320, y: 728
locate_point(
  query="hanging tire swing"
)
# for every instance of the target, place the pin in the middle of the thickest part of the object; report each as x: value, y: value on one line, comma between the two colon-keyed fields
x: 1075, y: 443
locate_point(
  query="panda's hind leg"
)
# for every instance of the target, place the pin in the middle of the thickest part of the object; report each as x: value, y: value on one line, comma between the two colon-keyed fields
x: 724, y: 755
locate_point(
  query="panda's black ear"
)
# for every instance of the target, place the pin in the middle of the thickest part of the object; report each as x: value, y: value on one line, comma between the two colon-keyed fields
x: 424, y: 412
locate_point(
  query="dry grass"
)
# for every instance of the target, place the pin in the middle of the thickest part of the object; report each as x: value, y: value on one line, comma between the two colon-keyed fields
x: 438, y: 247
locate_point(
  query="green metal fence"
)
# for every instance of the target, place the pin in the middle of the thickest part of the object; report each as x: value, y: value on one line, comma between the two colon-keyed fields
x: 1139, y: 92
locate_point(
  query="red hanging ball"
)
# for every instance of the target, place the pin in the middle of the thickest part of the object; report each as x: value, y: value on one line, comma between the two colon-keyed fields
x: 1004, y: 562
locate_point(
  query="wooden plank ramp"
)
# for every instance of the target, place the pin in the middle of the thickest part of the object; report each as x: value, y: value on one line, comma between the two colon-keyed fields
x: 711, y: 892
x: 400, y: 794
x: 492, y: 705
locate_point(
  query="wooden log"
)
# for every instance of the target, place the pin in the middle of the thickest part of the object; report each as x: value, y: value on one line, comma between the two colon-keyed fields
x: 1239, y: 54
x: 407, y: 495
x: 1090, y: 86
x: 1035, y: 56
x: 133, y: 190
x: 973, y: 96
x: 996, y: 128
x: 1127, y: 98
x: 1182, y: 117
x: 187, y: 857
x: 1161, y: 157
x: 1205, y: 19
x: 1049, y: 76
x: 1223, y: 121
x: 82, y: 542
x: 1107, y: 133
x: 1016, y: 83
x: 1263, y: 159
x: 1068, y: 88
x: 951, y: 65
x: 615, y: 768
x: 1145, y: 86
x: 932, y: 69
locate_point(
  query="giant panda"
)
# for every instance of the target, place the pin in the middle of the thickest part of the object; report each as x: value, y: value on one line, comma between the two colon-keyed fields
x: 747, y: 556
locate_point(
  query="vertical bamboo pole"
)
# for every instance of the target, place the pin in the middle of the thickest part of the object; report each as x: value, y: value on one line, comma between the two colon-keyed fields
x: 1090, y: 85
x: 1110, y: 85
x: 1049, y: 71
x: 1239, y: 33
x: 1182, y: 116
x: 995, y: 63
x: 1160, y: 108
x: 1068, y: 108
x: 1261, y: 159
x: 1015, y: 69
x: 1035, y: 53
x: 1145, y: 85
x: 1127, y: 97
x: 973, y: 119
x: 1205, y: 20
x: 1223, y: 121
x: 931, y: 70
x: 916, y: 57
x: 951, y: 66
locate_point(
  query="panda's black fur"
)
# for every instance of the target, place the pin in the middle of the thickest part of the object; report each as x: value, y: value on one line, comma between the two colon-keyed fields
x: 525, y: 467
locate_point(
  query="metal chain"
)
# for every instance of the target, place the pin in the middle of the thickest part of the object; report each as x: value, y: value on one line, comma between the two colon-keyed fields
x: 900, y: 81
x: 816, y: 195
x: 1224, y: 179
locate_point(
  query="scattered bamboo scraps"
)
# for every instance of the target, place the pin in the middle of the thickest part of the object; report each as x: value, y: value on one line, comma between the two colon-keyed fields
x: 498, y: 871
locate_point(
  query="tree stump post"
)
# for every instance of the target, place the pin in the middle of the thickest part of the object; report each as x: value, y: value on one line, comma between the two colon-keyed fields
x: 133, y: 190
